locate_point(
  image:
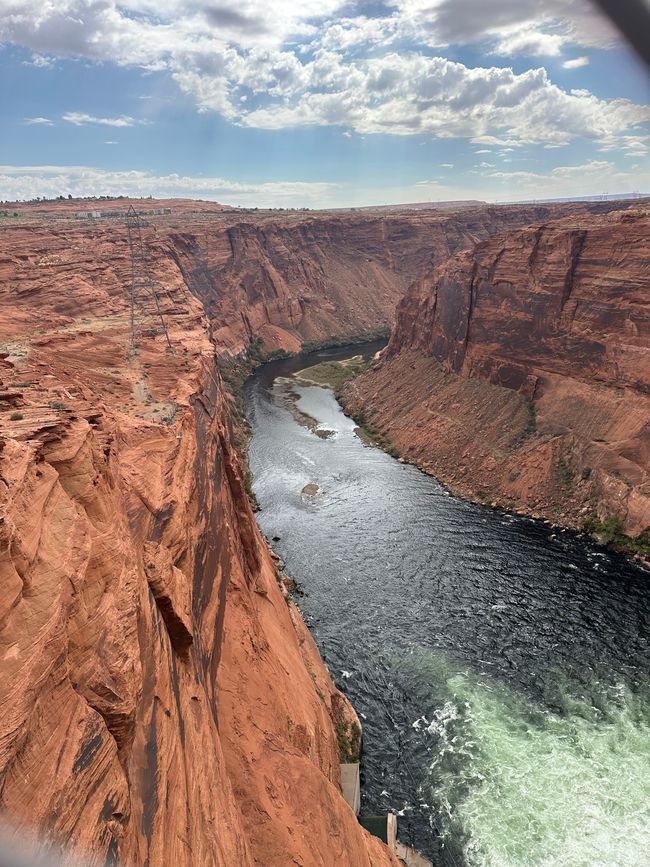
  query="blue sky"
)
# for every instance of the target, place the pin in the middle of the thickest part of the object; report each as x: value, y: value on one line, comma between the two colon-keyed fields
x: 319, y: 104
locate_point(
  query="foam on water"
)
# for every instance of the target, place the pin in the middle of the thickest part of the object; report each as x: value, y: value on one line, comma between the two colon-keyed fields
x: 518, y: 785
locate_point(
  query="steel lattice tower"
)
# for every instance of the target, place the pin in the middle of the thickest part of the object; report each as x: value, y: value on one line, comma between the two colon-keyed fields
x: 142, y: 284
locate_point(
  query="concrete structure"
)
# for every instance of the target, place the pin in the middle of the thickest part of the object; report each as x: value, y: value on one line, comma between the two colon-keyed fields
x: 385, y: 827
x: 351, y: 785
x: 410, y: 857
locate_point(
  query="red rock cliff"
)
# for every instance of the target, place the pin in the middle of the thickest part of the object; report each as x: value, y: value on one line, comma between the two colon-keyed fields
x: 162, y: 701
x: 286, y: 282
x: 519, y: 371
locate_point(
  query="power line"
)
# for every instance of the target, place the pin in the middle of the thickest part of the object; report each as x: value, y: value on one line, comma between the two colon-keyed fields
x: 142, y: 283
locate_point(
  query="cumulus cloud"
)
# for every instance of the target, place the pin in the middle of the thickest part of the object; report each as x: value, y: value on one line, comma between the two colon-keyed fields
x: 39, y: 121
x: 28, y: 182
x: 287, y: 64
x: 407, y: 94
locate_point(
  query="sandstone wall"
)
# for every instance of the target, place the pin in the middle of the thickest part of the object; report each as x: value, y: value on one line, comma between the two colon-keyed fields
x: 162, y: 701
x: 519, y: 371
x: 289, y: 282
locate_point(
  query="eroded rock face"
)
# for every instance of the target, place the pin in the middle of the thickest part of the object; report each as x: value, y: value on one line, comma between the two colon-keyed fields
x: 520, y: 371
x: 291, y: 282
x: 162, y: 700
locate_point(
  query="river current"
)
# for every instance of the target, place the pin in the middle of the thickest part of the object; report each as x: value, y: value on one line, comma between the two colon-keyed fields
x: 500, y: 666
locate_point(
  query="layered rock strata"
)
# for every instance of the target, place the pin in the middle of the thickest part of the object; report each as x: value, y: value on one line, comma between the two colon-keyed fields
x: 162, y: 700
x: 519, y: 372
x: 163, y: 703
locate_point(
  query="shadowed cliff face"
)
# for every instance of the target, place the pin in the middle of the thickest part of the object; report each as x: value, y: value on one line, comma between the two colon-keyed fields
x: 520, y: 371
x: 162, y: 700
x: 322, y: 278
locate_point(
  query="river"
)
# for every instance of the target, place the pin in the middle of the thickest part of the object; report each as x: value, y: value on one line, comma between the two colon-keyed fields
x: 500, y: 666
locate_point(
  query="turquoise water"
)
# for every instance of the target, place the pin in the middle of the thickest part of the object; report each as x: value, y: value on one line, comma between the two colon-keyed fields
x: 515, y: 784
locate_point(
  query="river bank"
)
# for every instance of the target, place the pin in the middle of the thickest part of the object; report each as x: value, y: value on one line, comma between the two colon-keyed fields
x: 449, y: 625
x: 340, y: 376
x: 440, y: 430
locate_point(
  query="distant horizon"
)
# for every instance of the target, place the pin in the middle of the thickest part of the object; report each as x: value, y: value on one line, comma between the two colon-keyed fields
x: 421, y: 205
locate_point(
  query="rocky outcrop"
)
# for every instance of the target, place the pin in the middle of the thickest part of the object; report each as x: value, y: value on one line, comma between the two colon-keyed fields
x: 162, y: 700
x: 519, y: 371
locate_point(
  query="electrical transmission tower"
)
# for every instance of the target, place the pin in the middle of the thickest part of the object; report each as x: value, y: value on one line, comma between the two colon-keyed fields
x: 143, y: 289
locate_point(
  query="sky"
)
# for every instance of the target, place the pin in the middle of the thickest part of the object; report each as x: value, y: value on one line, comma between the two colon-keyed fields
x: 319, y: 103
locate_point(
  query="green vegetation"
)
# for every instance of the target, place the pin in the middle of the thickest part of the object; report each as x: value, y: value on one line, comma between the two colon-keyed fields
x: 16, y: 416
x: 57, y: 404
x: 348, y: 736
x: 611, y: 531
x: 370, y: 436
x: 333, y: 374
x: 171, y: 414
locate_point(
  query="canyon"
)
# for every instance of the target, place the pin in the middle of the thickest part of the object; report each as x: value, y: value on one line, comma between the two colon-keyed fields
x: 518, y: 373
x: 164, y: 701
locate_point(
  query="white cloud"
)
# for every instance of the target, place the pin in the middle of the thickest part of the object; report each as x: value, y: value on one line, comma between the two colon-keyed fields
x: 575, y: 63
x: 80, y: 119
x: 40, y: 61
x: 28, y: 182
x: 637, y: 143
x: 529, y: 40
x: 39, y: 121
x: 283, y: 64
x: 406, y: 94
x: 591, y: 178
